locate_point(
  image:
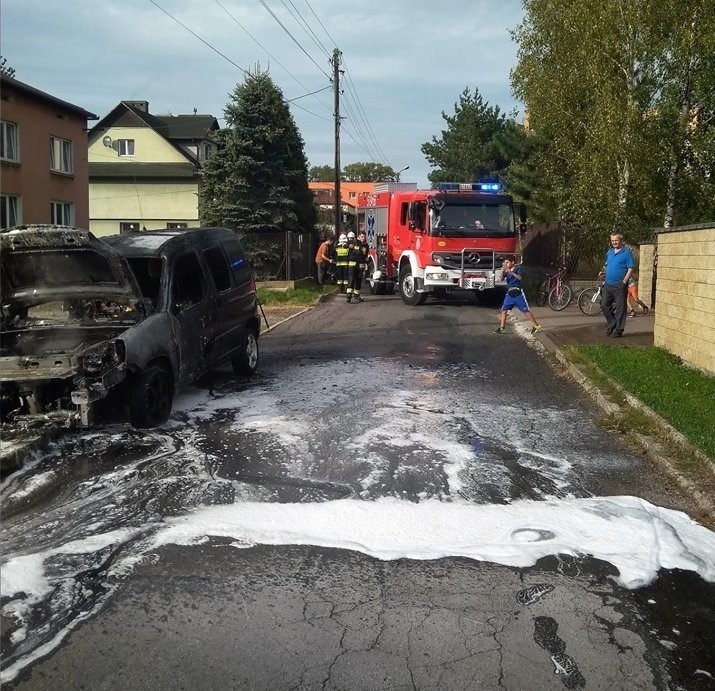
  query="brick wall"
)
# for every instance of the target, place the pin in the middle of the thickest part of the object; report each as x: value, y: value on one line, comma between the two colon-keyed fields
x: 685, y: 294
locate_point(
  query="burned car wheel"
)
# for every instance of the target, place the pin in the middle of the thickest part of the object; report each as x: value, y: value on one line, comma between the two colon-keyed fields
x: 246, y: 360
x: 150, y: 397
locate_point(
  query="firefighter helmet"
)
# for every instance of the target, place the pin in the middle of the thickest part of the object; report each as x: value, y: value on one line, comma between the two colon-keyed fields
x: 351, y: 235
x: 343, y: 238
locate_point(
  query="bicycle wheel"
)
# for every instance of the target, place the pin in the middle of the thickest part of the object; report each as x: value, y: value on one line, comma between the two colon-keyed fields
x: 542, y: 292
x: 560, y: 297
x: 589, y: 301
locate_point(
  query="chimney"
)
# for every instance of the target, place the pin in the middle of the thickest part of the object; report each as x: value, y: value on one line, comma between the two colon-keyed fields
x: 139, y: 105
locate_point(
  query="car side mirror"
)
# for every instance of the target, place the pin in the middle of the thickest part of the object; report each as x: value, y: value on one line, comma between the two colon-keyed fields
x: 522, y: 212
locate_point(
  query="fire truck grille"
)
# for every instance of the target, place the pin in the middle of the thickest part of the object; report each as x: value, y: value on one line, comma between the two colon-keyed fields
x: 472, y: 260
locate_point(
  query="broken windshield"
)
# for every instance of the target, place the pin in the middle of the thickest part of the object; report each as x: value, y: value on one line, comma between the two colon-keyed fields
x: 472, y: 220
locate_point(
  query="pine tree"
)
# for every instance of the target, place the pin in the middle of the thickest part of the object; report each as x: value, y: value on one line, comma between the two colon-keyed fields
x: 257, y: 181
x: 467, y: 149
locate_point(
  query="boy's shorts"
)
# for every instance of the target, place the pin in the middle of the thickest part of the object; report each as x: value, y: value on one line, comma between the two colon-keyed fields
x: 633, y: 291
x: 518, y: 301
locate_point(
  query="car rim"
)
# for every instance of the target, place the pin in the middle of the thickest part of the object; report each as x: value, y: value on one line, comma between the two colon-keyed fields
x: 408, y: 286
x: 251, y: 350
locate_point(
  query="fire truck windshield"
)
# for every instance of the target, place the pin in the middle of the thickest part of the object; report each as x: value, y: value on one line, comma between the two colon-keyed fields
x: 472, y: 220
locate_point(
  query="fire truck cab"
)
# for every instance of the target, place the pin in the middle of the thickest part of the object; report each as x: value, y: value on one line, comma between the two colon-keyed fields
x: 453, y: 237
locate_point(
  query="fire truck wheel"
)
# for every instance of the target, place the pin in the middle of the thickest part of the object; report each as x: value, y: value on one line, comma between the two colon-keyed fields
x: 408, y: 288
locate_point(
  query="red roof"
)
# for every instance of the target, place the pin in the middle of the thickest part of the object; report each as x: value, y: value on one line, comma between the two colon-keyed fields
x: 349, y: 191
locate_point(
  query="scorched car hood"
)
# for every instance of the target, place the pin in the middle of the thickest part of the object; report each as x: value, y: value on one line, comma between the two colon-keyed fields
x: 42, y: 263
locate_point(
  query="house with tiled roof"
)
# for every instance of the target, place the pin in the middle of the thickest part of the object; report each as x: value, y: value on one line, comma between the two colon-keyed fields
x: 144, y: 169
x: 324, y: 200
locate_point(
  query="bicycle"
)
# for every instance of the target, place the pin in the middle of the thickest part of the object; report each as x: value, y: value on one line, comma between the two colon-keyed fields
x: 589, y: 300
x: 554, y: 290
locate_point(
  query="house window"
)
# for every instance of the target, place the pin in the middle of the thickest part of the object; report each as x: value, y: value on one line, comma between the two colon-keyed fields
x: 62, y: 213
x: 352, y: 195
x: 175, y: 226
x: 9, y: 141
x: 204, y: 151
x: 60, y: 155
x: 125, y: 147
x: 128, y: 226
x: 9, y: 211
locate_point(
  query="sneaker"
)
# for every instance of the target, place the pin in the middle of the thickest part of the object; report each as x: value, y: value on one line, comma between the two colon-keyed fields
x: 358, y: 299
x: 500, y: 330
x: 350, y: 298
x: 536, y: 329
x: 645, y: 311
x: 632, y: 313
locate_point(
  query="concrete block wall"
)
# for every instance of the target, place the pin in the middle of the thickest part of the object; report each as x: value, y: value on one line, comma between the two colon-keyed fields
x: 685, y: 294
x: 645, y: 273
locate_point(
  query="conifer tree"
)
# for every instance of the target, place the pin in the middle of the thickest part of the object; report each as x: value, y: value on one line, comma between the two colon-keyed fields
x: 257, y: 181
x: 467, y: 149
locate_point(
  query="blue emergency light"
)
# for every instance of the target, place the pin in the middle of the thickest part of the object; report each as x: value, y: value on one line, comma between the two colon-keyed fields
x: 469, y: 186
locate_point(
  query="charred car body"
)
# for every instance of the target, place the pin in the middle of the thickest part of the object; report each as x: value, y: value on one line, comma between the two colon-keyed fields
x: 128, y: 319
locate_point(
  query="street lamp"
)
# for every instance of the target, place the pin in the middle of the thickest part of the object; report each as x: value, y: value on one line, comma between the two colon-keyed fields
x: 401, y: 170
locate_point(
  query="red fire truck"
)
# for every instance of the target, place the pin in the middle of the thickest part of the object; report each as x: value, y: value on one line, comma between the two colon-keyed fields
x: 431, y: 242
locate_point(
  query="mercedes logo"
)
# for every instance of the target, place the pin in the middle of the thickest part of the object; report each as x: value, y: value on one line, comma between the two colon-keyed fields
x: 473, y: 257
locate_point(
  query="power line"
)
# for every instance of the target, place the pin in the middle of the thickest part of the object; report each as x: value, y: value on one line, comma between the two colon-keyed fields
x: 206, y: 43
x: 270, y: 55
x: 294, y: 39
x: 353, y: 89
x: 310, y: 94
x: 359, y: 116
x: 319, y: 22
x: 305, y: 26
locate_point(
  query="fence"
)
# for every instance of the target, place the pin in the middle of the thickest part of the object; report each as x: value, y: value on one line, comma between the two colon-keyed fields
x: 685, y: 293
x: 556, y: 244
x: 282, y: 255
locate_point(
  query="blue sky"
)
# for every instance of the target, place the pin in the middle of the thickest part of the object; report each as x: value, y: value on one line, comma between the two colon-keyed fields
x: 405, y: 61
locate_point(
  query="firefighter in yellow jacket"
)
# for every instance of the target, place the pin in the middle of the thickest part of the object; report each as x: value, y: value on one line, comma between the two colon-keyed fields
x: 357, y: 263
x: 341, y: 262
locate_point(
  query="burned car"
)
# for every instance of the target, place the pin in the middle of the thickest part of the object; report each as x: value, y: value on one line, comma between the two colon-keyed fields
x: 125, y: 320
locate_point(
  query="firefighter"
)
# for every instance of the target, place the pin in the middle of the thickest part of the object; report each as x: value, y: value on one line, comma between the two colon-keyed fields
x: 359, y: 252
x: 352, y: 262
x: 341, y: 262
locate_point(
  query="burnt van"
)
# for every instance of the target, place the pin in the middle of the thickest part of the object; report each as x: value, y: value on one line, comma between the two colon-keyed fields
x: 130, y: 318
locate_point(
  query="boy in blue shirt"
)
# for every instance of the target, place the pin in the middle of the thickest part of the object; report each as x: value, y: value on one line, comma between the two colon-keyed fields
x: 617, y: 271
x: 515, y: 297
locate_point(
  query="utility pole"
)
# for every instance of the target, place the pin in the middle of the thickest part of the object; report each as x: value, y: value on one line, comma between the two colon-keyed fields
x: 336, y: 110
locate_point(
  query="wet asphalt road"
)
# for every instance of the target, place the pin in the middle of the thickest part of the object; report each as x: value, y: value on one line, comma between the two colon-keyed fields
x: 361, y: 401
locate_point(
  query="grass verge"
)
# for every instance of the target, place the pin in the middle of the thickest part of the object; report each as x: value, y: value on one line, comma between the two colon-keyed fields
x: 305, y: 295
x: 681, y: 395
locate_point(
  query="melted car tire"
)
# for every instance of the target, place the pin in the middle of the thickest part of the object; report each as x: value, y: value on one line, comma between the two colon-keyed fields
x: 150, y: 397
x: 245, y: 362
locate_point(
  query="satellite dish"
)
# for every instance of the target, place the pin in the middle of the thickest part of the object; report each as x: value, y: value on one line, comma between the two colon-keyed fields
x: 107, y: 141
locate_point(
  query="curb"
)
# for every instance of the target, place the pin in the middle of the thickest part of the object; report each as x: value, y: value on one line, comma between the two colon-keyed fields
x: 323, y: 298
x: 544, y: 344
x: 286, y: 319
